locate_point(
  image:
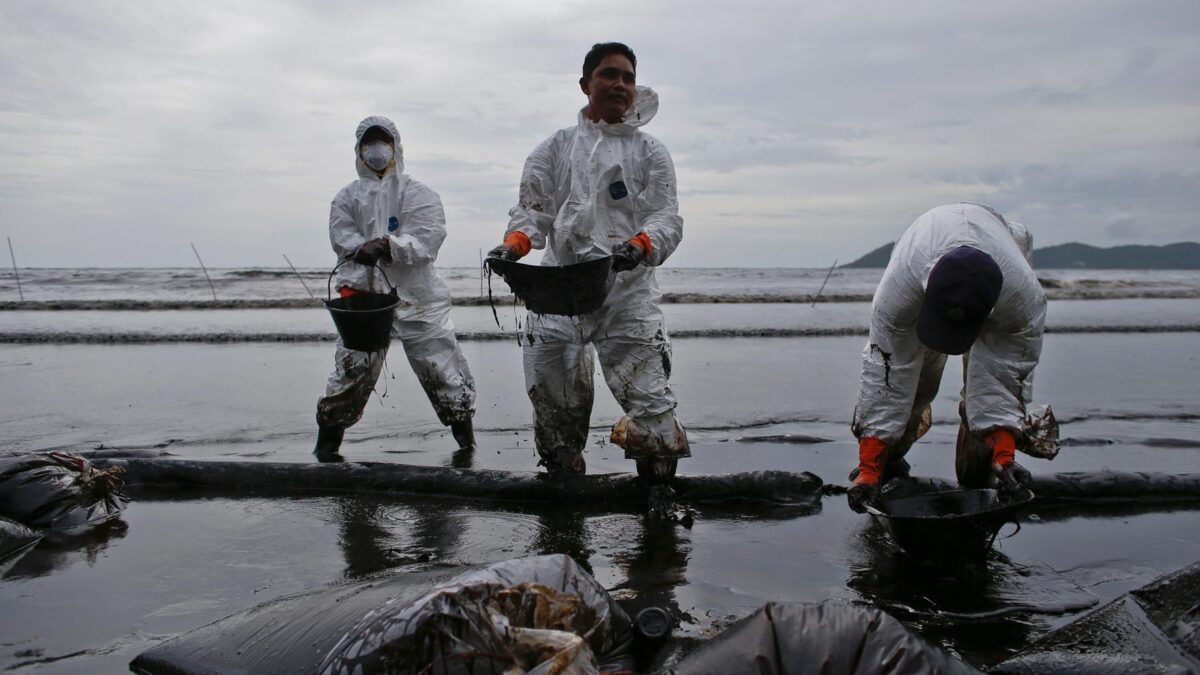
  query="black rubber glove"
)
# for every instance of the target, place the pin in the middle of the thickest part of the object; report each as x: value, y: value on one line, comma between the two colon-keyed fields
x: 627, y: 255
x: 1013, y: 477
x: 860, y: 494
x: 504, y: 252
x: 370, y: 252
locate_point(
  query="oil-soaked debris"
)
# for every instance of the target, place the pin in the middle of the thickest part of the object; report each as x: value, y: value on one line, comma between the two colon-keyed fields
x: 831, y: 637
x: 1154, y: 629
x: 512, y: 616
x: 59, y: 491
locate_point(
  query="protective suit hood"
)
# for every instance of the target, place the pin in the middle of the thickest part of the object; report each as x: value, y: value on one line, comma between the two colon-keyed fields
x: 644, y: 108
x: 387, y: 125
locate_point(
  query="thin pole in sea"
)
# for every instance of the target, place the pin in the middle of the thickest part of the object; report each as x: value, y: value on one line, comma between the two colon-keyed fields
x: 289, y: 262
x: 210, y: 283
x: 14, y: 262
x: 818, y: 295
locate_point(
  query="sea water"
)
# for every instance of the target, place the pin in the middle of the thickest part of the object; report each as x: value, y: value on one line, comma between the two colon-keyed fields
x: 1121, y: 372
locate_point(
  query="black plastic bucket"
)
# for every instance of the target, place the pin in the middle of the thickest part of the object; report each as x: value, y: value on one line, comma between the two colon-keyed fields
x: 950, y: 523
x: 363, y: 320
x: 569, y: 290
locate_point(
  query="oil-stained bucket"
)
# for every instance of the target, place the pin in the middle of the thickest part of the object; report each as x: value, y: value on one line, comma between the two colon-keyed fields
x: 950, y: 523
x: 568, y: 290
x: 363, y: 320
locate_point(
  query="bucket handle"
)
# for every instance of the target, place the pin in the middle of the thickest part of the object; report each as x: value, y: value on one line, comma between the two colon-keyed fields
x: 343, y: 261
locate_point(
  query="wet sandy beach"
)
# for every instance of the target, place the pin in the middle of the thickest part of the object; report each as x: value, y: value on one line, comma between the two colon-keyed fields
x: 180, y: 560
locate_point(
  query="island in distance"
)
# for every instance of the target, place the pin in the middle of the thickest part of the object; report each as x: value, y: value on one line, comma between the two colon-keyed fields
x: 1180, y: 256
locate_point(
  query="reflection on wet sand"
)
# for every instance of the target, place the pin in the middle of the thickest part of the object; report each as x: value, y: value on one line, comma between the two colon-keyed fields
x: 655, y: 566
x: 370, y: 545
x: 58, y: 552
x: 984, y: 611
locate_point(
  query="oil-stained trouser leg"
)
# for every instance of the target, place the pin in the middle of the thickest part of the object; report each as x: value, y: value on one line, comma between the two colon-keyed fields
x: 559, y: 371
x: 349, y: 386
x: 972, y: 457
x: 433, y: 352
x: 635, y: 356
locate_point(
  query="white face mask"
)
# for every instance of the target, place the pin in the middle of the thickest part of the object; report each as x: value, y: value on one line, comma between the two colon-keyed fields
x: 377, y: 154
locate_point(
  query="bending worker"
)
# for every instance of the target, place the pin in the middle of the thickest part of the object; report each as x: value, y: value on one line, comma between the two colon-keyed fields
x: 958, y: 282
x: 388, y: 218
x: 602, y: 188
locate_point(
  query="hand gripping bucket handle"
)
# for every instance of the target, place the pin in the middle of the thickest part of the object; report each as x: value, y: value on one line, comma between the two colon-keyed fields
x: 363, y: 320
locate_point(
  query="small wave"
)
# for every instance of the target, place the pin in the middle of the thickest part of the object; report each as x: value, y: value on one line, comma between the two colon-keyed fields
x: 1137, y: 293
x: 479, y: 336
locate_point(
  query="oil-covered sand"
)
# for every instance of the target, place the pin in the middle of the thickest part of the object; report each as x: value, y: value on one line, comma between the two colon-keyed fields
x: 179, y: 560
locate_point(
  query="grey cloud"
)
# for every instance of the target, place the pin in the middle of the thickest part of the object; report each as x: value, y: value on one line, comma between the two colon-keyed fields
x: 1124, y: 228
x: 231, y: 124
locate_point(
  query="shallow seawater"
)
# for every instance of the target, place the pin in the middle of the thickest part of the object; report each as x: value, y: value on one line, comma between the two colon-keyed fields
x: 176, y: 562
x: 179, y: 560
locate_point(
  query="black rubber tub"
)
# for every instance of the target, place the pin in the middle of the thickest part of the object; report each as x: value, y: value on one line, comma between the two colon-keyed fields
x: 363, y: 320
x: 568, y: 290
x: 949, y: 524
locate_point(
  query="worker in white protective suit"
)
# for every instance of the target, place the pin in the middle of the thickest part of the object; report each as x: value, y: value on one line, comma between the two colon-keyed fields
x: 959, y: 282
x: 602, y: 188
x: 392, y: 226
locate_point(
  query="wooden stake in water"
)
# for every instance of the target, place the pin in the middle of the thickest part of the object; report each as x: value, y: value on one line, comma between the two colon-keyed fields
x: 823, y: 283
x: 210, y: 283
x: 289, y: 262
x: 481, y: 273
x: 14, y: 261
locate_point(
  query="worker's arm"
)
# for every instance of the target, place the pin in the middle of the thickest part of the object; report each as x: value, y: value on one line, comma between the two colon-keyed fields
x: 533, y: 216
x: 658, y: 204
x: 999, y: 380
x: 344, y: 234
x: 891, y: 360
x: 422, y: 226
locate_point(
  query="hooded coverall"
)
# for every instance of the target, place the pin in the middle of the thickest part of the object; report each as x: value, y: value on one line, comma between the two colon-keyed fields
x: 362, y: 211
x: 583, y: 190
x: 900, y: 375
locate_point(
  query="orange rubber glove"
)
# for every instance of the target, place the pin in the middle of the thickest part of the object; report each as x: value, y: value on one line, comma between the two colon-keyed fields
x: 870, y: 460
x: 1003, y: 446
x: 518, y: 242
x: 643, y: 242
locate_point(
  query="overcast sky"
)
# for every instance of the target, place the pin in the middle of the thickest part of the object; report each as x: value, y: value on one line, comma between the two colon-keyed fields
x: 802, y: 132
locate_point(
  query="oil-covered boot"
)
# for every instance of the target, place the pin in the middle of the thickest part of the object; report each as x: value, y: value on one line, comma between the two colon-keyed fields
x: 464, y: 434
x: 329, y: 441
x: 563, y: 462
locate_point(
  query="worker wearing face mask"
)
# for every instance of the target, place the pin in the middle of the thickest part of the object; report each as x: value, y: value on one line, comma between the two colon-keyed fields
x: 390, y: 227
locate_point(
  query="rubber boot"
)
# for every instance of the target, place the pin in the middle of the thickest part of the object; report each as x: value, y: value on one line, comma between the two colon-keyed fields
x: 464, y: 434
x: 564, y: 462
x: 329, y: 441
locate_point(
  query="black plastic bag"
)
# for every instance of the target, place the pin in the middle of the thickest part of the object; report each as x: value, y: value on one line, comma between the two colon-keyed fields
x: 15, y: 541
x: 59, y: 491
x: 1154, y: 629
x: 798, y: 638
x: 512, y: 616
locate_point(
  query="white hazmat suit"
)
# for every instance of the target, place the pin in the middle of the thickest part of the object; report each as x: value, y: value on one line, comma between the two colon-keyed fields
x: 584, y: 190
x: 900, y: 375
x: 410, y: 216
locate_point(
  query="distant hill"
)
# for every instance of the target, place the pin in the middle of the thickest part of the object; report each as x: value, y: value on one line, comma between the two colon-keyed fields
x: 1181, y: 256
x: 877, y: 258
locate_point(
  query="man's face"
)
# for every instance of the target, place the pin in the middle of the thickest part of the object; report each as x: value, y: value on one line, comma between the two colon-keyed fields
x: 610, y: 89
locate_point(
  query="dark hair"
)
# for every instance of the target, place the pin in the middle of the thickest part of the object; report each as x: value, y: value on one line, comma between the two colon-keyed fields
x: 603, y: 49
